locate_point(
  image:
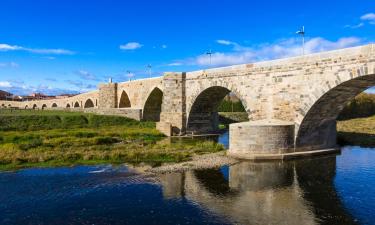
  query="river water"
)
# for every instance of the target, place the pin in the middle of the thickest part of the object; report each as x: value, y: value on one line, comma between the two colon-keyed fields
x: 329, y: 190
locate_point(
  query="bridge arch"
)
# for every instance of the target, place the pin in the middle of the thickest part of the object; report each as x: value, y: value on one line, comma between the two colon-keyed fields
x: 26, y: 106
x: 44, y: 106
x: 54, y: 105
x: 203, y: 114
x: 76, y: 105
x: 152, y: 106
x: 89, y: 104
x: 317, y: 129
x: 124, y: 100
x: 68, y: 105
x: 35, y: 106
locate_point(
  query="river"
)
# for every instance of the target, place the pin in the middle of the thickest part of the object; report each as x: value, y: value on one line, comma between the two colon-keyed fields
x: 328, y: 190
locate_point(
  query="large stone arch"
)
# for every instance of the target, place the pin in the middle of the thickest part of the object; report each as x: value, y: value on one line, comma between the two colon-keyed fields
x: 317, y: 129
x: 124, y: 101
x: 202, y: 116
x: 76, y: 105
x: 89, y: 104
x: 152, y: 106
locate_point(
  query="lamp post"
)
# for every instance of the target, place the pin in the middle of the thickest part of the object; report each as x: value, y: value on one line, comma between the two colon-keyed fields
x: 210, y: 54
x: 149, y: 66
x: 129, y: 75
x: 302, y: 33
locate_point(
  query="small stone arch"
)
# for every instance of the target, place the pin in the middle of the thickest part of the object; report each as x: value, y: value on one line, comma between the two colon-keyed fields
x: 9, y: 105
x: 35, y: 106
x: 89, y: 104
x: 124, y: 100
x: 203, y: 115
x: 44, y: 106
x: 54, y: 105
x: 152, y: 107
x: 3, y: 105
x: 26, y: 106
x: 68, y: 105
x: 76, y: 105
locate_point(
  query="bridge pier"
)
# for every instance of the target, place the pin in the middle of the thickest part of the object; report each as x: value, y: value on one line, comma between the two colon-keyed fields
x: 262, y: 137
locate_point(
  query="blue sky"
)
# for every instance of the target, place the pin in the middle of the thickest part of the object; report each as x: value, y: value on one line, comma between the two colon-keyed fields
x: 71, y: 45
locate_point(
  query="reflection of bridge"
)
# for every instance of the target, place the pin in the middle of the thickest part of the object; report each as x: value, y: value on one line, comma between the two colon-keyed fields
x: 292, y: 103
x: 265, y: 193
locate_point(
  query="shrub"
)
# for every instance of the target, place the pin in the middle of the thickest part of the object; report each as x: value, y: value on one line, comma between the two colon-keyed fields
x: 106, y: 140
x: 74, y: 121
x: 361, y: 106
x: 33, y: 143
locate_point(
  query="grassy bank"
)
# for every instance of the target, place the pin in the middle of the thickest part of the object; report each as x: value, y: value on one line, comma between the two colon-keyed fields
x: 360, y: 131
x: 53, y: 138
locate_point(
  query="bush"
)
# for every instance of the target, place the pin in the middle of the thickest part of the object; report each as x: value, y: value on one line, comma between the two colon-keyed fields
x: 361, y: 106
x: 74, y: 121
x: 84, y: 134
x: 106, y: 140
x: 229, y: 106
x: 33, y: 143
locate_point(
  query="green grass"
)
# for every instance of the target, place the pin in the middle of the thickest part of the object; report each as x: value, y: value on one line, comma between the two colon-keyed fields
x: 53, y: 138
x: 360, y: 131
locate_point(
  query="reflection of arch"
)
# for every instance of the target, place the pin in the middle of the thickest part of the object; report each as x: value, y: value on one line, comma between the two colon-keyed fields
x: 152, y: 108
x: 35, y: 106
x: 44, y: 106
x: 76, y: 105
x: 214, y: 181
x: 316, y: 178
x: 54, y: 105
x: 203, y: 116
x: 318, y: 127
x: 89, y: 104
x: 124, y: 100
x: 68, y: 105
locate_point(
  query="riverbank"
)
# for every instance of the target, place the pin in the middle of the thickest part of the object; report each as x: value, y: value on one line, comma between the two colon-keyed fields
x: 50, y: 138
x: 360, y: 131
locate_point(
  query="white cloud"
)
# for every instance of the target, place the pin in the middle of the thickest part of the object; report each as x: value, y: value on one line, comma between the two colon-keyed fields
x: 131, y: 46
x: 370, y: 17
x: 7, y: 47
x: 225, y: 42
x: 8, y: 64
x: 355, y: 26
x: 85, y: 75
x: 280, y: 49
x: 5, y: 84
x: 175, y: 64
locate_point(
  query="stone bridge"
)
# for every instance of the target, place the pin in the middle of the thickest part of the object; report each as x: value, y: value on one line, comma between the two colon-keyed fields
x: 292, y: 104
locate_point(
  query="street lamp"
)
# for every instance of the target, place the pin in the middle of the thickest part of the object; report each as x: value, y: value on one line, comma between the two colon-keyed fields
x: 210, y: 54
x: 302, y: 33
x: 130, y: 75
x: 149, y: 66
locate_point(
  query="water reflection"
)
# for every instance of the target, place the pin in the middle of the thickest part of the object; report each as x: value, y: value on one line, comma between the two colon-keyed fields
x: 329, y: 190
x: 299, y: 192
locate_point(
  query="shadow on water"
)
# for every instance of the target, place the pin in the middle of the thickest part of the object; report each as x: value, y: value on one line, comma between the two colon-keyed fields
x: 299, y: 192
